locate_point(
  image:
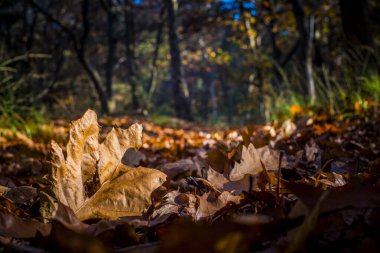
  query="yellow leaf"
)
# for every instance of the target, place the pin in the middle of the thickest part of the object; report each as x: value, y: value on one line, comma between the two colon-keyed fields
x: 126, y: 195
x: 295, y: 110
x: 357, y: 106
x: 113, y: 148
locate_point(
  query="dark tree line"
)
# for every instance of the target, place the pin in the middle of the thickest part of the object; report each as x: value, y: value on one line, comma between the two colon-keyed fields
x: 199, y: 60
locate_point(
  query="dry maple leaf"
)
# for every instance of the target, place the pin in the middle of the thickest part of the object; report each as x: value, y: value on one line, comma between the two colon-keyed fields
x: 126, y: 195
x: 120, y: 195
x: 222, y: 183
x: 247, y: 173
x: 209, y: 204
x: 174, y: 203
x: 113, y: 148
x: 66, y: 173
x: 250, y: 164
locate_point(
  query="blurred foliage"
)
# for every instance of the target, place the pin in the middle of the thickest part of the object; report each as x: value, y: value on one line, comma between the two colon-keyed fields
x: 241, y: 61
x: 19, y: 110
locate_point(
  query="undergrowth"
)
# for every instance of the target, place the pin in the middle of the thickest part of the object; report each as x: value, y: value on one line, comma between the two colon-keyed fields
x: 354, y: 89
x: 18, y: 111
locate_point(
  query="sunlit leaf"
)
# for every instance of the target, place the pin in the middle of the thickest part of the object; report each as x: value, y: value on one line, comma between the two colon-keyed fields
x: 127, y: 195
x: 112, y: 150
x: 250, y: 164
x: 124, y: 191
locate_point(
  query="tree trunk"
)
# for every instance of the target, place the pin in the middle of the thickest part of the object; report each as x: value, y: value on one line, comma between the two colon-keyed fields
x: 305, y: 48
x: 309, y: 61
x: 81, y: 52
x: 276, y: 52
x: 258, y: 71
x: 130, y: 51
x: 222, y: 70
x: 153, y: 75
x: 179, y: 87
x: 213, y: 100
x: 97, y: 83
x: 111, y: 54
x: 356, y: 22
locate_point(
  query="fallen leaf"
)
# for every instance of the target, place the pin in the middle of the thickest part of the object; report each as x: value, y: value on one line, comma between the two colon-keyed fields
x: 225, y: 236
x: 63, y: 239
x: 184, y: 166
x: 253, y: 219
x: 133, y: 158
x: 114, y: 233
x: 296, y: 109
x: 151, y: 247
x: 112, y: 150
x: 123, y: 192
x: 350, y: 196
x: 16, y: 227
x: 66, y: 174
x: 9, y: 207
x: 66, y: 216
x: 174, y: 203
x: 126, y: 195
x: 288, y: 128
x: 3, y: 189
x: 209, y: 204
x: 312, y: 151
x: 337, y: 180
x: 222, y: 183
x: 21, y: 194
x: 218, y: 158
x: 299, y: 235
x: 250, y: 164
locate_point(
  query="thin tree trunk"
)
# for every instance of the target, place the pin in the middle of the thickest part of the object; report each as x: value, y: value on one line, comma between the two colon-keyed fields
x: 273, y: 37
x: 358, y: 30
x: 30, y: 38
x: 180, y: 90
x: 356, y: 22
x: 226, y: 96
x: 276, y: 52
x: 111, y: 43
x: 257, y: 69
x: 97, y: 83
x: 153, y: 75
x: 299, y: 16
x: 305, y: 49
x: 309, y: 61
x: 213, y: 99
x: 130, y: 51
x: 82, y: 58
x: 79, y: 48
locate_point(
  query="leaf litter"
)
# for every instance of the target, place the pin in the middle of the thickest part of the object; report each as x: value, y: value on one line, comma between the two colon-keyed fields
x: 300, y: 186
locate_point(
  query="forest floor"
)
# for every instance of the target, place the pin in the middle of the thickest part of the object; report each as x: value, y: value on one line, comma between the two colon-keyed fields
x: 305, y: 185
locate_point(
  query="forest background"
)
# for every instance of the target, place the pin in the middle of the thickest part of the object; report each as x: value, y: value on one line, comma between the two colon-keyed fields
x: 222, y: 62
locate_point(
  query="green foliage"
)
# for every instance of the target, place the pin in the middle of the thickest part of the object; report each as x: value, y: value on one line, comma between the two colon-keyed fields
x: 161, y: 120
x: 241, y: 64
x: 371, y: 87
x: 354, y: 85
x: 17, y: 111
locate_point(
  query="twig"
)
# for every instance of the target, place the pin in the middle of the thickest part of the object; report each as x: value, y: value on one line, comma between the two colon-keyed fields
x: 278, y: 178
